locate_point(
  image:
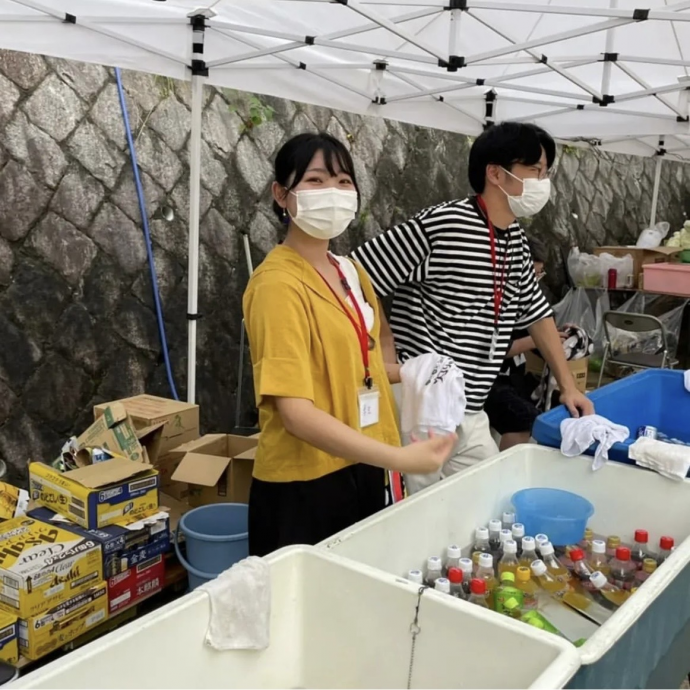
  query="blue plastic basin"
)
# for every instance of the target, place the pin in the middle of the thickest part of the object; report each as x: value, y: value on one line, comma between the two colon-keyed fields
x: 655, y: 397
x: 561, y: 515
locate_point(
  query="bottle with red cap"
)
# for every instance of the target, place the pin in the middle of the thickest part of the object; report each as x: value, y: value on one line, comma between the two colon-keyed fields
x: 455, y: 577
x: 622, y: 569
x: 478, y: 593
x: 666, y: 545
x: 640, y: 547
x: 581, y: 569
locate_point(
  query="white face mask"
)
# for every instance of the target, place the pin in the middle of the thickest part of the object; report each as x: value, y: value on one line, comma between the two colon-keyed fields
x: 325, y: 213
x: 535, y: 195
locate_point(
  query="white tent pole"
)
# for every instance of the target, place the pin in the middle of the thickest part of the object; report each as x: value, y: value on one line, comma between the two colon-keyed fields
x: 655, y: 190
x: 606, y: 76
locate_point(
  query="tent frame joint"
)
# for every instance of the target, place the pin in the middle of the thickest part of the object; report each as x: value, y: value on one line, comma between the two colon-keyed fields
x: 640, y: 15
x: 609, y: 57
x: 453, y: 64
x: 70, y: 18
x: 461, y: 5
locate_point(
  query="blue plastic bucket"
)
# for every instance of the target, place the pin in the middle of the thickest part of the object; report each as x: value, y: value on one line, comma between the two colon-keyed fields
x: 216, y: 536
x: 560, y: 515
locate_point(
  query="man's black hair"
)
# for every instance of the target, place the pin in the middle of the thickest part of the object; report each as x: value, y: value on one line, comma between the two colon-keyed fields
x: 295, y: 155
x: 538, y: 250
x: 506, y: 144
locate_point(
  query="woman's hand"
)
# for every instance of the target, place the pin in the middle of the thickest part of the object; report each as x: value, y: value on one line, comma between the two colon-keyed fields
x: 425, y: 457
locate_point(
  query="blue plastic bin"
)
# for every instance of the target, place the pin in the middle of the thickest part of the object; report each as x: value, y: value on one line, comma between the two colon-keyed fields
x: 655, y: 397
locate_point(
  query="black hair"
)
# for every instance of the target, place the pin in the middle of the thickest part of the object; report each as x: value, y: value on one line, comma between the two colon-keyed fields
x: 538, y: 250
x: 506, y: 144
x: 295, y: 155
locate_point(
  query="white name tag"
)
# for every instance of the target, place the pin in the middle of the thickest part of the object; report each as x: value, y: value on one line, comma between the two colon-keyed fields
x: 368, y: 406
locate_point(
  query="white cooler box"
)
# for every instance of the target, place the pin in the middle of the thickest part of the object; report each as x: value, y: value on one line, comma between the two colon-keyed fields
x: 334, y: 624
x: 647, y: 641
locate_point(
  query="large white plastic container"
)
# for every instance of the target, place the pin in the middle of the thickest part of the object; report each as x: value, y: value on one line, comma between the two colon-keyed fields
x: 334, y: 624
x: 626, y: 651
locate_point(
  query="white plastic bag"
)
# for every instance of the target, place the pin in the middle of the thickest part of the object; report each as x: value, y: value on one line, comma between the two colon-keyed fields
x: 623, y: 266
x: 651, y: 238
x: 584, y: 269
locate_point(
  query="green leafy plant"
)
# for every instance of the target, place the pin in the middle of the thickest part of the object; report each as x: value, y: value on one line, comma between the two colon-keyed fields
x: 249, y: 108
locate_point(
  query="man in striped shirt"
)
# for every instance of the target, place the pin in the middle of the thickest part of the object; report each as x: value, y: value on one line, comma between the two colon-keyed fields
x: 462, y: 280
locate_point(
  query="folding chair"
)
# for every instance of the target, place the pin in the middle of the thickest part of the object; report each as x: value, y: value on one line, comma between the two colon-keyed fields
x: 635, y: 323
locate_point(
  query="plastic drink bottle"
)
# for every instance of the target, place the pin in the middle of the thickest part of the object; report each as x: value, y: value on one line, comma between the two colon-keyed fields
x: 508, y: 520
x: 552, y: 563
x: 455, y: 579
x: 416, y: 576
x: 529, y: 551
x: 666, y: 546
x: 528, y: 587
x: 434, y: 569
x: 648, y: 567
x: 481, y: 540
x: 509, y: 599
x: 442, y: 584
x: 504, y: 536
x: 597, y: 557
x: 467, y: 567
x: 612, y: 543
x: 478, y: 593
x: 557, y: 588
x: 586, y: 541
x: 614, y: 594
x: 540, y: 539
x: 518, y: 532
x: 622, y: 569
x: 495, y: 527
x: 486, y: 572
x: 509, y: 561
x: 581, y: 569
x: 640, y: 547
x: 453, y: 554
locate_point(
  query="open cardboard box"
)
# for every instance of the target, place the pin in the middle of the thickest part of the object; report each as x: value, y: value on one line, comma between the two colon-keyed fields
x: 640, y: 257
x: 534, y: 364
x: 217, y: 468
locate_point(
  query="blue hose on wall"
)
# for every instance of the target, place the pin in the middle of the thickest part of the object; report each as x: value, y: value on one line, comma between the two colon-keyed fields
x: 147, y: 236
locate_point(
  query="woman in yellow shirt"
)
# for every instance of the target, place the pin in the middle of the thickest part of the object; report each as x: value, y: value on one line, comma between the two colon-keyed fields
x: 326, y: 411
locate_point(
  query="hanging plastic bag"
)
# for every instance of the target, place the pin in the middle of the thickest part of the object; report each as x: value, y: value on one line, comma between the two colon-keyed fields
x: 575, y: 308
x: 584, y: 269
x: 651, y: 238
x: 623, y: 266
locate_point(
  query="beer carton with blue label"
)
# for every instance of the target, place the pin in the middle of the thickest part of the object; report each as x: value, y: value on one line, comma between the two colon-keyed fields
x: 97, y: 495
x: 42, y: 566
x: 9, y: 641
x: 51, y: 629
x: 123, y: 545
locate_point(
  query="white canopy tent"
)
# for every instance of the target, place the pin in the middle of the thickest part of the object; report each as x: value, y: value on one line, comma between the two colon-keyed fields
x: 606, y: 73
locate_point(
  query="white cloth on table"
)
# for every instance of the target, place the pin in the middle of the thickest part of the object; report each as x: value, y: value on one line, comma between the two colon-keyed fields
x: 240, y: 606
x: 579, y: 433
x: 433, y: 396
x: 668, y: 459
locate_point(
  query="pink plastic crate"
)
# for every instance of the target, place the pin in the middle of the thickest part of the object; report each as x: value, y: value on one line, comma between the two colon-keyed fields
x: 673, y: 279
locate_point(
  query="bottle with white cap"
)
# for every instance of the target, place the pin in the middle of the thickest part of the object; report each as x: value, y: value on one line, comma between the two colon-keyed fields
x: 597, y: 557
x: 467, y: 568
x: 614, y: 594
x: 485, y: 572
x: 481, y: 540
x: 508, y: 519
x: 442, y: 584
x: 503, y: 537
x: 546, y: 580
x: 509, y: 562
x: 540, y: 539
x: 529, y: 551
x: 494, y: 535
x: 434, y: 570
x: 518, y: 532
x: 453, y: 554
x: 416, y: 576
x: 556, y: 568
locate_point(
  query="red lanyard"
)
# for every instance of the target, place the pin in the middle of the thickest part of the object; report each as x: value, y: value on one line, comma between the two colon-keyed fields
x: 361, y: 328
x: 499, y: 283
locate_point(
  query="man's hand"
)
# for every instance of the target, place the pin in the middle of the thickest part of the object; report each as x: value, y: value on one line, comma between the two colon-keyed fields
x: 578, y: 404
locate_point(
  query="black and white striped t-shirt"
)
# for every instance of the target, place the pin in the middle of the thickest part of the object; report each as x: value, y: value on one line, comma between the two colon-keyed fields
x: 438, y: 267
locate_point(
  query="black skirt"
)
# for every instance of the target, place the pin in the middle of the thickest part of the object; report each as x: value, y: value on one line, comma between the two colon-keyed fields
x: 509, y: 408
x: 285, y: 513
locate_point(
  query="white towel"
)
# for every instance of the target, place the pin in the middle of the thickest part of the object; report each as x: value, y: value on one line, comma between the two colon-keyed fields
x: 240, y: 606
x: 578, y: 434
x: 433, y: 396
x: 668, y: 459
x: 686, y: 376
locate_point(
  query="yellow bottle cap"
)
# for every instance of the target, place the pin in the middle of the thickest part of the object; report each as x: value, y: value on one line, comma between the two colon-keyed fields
x: 523, y: 574
x: 649, y: 565
x: 589, y: 533
x: 613, y: 542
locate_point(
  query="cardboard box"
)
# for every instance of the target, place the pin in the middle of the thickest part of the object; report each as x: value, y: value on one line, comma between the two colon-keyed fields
x: 42, y: 566
x: 9, y: 638
x: 122, y: 546
x: 175, y: 509
x: 98, y: 495
x: 47, y: 631
x: 14, y: 502
x: 640, y: 257
x: 216, y: 468
x: 136, y: 584
x: 180, y: 419
x: 579, y: 368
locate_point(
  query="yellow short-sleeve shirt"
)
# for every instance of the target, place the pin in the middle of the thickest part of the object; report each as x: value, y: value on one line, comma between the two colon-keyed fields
x: 303, y: 345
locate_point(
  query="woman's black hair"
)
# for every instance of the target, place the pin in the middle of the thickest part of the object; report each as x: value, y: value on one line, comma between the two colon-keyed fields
x: 295, y: 155
x: 538, y: 250
x: 506, y: 144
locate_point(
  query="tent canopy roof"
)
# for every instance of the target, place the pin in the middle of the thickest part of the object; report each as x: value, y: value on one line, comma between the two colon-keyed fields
x: 612, y: 72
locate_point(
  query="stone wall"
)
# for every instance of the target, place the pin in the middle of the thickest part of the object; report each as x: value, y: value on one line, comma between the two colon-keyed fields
x: 77, y: 324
